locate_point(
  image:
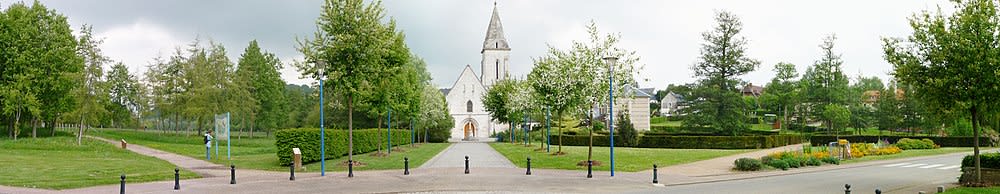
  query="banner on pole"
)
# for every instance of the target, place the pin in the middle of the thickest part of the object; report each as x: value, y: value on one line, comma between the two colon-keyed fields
x: 222, y: 127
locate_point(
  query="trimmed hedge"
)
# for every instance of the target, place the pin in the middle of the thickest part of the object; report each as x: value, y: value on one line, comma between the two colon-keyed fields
x: 819, y: 140
x: 986, y: 160
x: 689, y: 142
x: 307, y: 140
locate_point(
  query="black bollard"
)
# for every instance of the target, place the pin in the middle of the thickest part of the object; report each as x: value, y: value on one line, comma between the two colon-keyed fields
x: 654, y: 175
x: 406, y: 166
x: 529, y: 167
x: 590, y: 172
x: 291, y: 172
x: 350, y: 168
x: 878, y: 191
x: 232, y: 173
x: 466, y: 164
x: 123, y: 184
x: 847, y: 188
x: 177, y: 179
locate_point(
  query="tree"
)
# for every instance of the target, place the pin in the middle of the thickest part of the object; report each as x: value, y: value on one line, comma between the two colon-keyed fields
x: 951, y: 61
x: 837, y: 115
x: 716, y: 97
x: 824, y: 82
x: 782, y: 92
x: 39, y: 65
x: 862, y: 109
x: 358, y: 49
x: 123, y: 91
x: 889, y: 116
x: 499, y: 103
x: 433, y: 113
x: 92, y: 93
x: 557, y: 84
x: 258, y: 76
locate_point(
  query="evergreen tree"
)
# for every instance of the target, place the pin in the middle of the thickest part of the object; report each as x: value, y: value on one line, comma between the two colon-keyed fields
x: 716, y: 101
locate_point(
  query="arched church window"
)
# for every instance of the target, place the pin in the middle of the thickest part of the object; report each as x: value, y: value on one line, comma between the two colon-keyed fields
x: 468, y: 106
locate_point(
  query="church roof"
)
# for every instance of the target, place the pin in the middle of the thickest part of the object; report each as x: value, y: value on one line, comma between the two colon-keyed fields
x: 495, y: 39
x: 445, y: 91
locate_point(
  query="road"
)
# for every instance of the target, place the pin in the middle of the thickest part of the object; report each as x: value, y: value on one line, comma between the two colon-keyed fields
x: 904, y: 176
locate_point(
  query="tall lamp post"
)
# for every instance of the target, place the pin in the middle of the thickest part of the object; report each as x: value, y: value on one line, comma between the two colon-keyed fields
x: 610, y: 60
x: 321, y: 68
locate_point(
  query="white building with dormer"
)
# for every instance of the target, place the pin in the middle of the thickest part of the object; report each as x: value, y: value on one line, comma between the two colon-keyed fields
x: 465, y: 95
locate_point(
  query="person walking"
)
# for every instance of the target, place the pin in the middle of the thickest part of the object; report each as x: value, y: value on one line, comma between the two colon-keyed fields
x: 208, y: 145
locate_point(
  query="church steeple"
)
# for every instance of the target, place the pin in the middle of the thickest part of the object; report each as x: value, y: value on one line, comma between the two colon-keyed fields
x: 495, y: 39
x: 496, y: 52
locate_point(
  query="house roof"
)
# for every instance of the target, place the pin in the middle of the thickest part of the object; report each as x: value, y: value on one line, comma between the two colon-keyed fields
x: 751, y: 89
x: 639, y: 92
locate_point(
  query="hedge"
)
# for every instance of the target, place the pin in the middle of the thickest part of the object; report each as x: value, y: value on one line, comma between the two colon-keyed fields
x: 822, y: 140
x: 986, y: 160
x: 307, y: 140
x: 689, y: 142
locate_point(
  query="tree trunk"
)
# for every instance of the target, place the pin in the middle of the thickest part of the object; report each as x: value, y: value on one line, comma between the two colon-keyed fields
x: 425, y: 134
x: 34, y: 128
x: 560, y: 132
x: 79, y: 134
x: 975, y: 142
x: 510, y: 128
x: 17, y: 124
x: 253, y: 121
x: 54, y: 125
x: 590, y: 147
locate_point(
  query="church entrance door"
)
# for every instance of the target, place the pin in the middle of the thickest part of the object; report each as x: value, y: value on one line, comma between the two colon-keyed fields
x: 470, y: 130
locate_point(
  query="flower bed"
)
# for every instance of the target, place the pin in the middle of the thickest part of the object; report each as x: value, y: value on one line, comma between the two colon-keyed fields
x: 810, y: 157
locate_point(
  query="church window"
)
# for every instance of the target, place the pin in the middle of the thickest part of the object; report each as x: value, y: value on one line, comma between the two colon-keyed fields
x: 498, y: 69
x: 468, y: 106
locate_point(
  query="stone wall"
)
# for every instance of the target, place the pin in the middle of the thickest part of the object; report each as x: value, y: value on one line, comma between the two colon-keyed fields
x: 991, y: 177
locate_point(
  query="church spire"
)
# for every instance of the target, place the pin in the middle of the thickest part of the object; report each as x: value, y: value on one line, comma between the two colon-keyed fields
x: 495, y: 39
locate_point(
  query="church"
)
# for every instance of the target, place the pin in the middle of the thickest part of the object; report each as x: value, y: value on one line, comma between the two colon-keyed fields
x: 464, y: 98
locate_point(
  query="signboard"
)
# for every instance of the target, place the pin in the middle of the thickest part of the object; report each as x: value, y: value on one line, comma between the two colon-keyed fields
x: 222, y: 127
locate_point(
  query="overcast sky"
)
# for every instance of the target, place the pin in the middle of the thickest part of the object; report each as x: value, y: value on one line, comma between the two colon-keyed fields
x: 448, y: 34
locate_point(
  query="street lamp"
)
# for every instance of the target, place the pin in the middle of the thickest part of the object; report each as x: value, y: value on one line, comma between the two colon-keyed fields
x: 321, y: 69
x: 610, y: 60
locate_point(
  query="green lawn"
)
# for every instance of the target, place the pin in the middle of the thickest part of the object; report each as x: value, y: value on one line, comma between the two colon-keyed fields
x: 974, y: 190
x: 260, y: 152
x: 626, y: 159
x: 911, y: 153
x: 58, y: 163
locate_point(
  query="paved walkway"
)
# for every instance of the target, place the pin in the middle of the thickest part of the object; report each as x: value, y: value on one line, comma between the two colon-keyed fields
x: 481, y: 155
x: 203, y: 168
x: 722, y: 165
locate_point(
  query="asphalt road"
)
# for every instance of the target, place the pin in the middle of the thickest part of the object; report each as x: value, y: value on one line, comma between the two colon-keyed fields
x: 897, y: 177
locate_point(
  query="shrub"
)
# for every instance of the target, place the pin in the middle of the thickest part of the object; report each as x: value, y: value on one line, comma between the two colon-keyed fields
x: 793, y: 162
x: 951, y: 141
x: 813, y: 161
x: 908, y: 144
x: 307, y: 140
x: 779, y: 164
x: 831, y: 160
x: 624, y: 128
x: 887, y: 150
x: 748, y: 164
x: 986, y: 160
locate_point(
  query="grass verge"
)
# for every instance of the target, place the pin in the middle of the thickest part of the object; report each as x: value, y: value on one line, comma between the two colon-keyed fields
x: 58, y: 163
x: 973, y: 190
x: 260, y: 152
x: 626, y: 159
